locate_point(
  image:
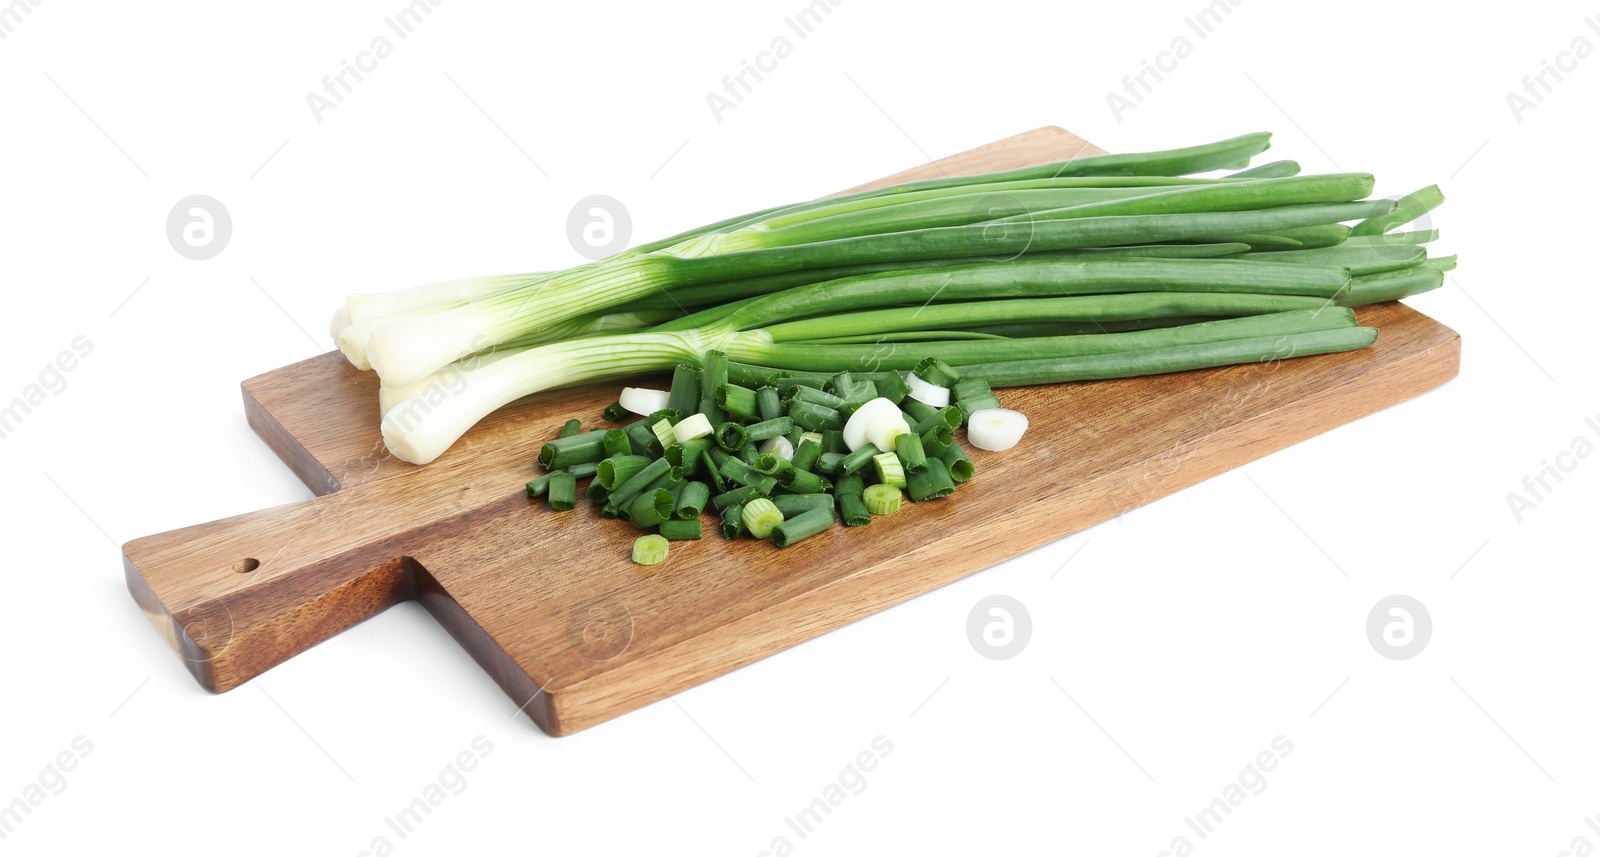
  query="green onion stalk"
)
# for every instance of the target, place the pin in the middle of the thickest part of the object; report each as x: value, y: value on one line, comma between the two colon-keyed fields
x: 1102, y: 267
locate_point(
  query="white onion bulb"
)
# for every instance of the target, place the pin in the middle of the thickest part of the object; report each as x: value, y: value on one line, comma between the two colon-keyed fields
x: 642, y: 401
x: 995, y: 429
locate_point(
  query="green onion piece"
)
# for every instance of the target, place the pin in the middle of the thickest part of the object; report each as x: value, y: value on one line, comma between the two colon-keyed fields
x: 853, y: 389
x: 815, y: 397
x: 731, y: 436
x: 769, y: 406
x: 651, y: 507
x: 933, y: 482
x: 748, y: 453
x: 793, y: 504
x: 713, y: 374
x: 801, y: 481
x: 956, y: 460
x: 687, y: 455
x: 576, y: 449
x: 618, y: 469
x: 570, y: 428
x: 642, y: 439
x: 858, y: 459
x: 916, y: 410
x: 802, y: 526
x: 767, y: 429
x: 584, y: 470
x: 685, y: 391
x: 936, y: 372
x: 786, y: 382
x: 623, y: 494
x: 563, y: 491
x: 892, y: 386
x: 538, y: 487
x: 828, y: 463
x: 890, y: 472
x: 973, y: 404
x: 806, y: 454
x: 882, y: 499
x: 737, y: 401
x: 662, y: 429
x: 814, y: 417
x: 617, y: 443
x: 615, y: 412
x: 808, y: 435
x: 597, y: 493
x: 833, y: 441
x: 761, y: 516
x: 737, y: 497
x: 738, y: 470
x: 936, y: 440
x: 854, y: 510
x: 949, y: 417
x: 692, y: 427
x: 969, y: 388
x: 691, y: 501
x: 849, y: 484
x: 908, y: 448
x: 733, y: 521
x: 708, y: 466
x: 685, y: 530
x: 769, y: 464
x: 649, y: 550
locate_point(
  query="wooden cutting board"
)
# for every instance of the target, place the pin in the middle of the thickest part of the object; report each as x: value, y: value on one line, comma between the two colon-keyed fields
x: 577, y: 634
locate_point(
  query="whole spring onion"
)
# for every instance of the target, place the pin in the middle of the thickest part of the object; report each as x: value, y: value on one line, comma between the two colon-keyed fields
x: 1101, y: 267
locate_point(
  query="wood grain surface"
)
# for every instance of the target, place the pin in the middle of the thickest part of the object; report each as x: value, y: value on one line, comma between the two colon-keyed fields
x: 576, y: 634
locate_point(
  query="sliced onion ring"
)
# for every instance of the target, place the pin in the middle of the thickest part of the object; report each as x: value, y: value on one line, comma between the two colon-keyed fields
x: 643, y: 401
x: 928, y: 394
x: 995, y: 429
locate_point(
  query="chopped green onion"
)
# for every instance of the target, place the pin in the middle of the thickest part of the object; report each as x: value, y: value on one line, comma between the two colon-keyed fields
x: 737, y: 401
x: 890, y: 472
x: 908, y: 448
x: 623, y: 494
x: 815, y: 396
x: 761, y: 516
x: 685, y: 530
x: 649, y: 550
x: 769, y: 405
x: 563, y: 491
x: 571, y: 428
x: 956, y: 460
x: 692, y: 427
x: 615, y: 412
x: 731, y: 436
x: 858, y: 459
x: 801, y: 481
x: 931, y: 483
x: 814, y: 417
x: 853, y: 509
x: 708, y: 466
x: 769, y: 428
x: 892, y: 386
x: 793, y: 504
x: 733, y: 521
x: 713, y: 374
x: 802, y: 526
x: 806, y: 455
x: 778, y: 446
x: 651, y: 507
x: 641, y: 438
x: 597, y: 493
x: 936, y: 372
x: 616, y: 443
x: 576, y: 449
x: 829, y: 462
x: 850, y: 484
x: 737, y: 497
x: 665, y: 436
x: 685, y: 392
x: 882, y: 499
x: 691, y: 501
x: 768, y: 464
x: 618, y: 469
x: 833, y: 441
x: 540, y: 486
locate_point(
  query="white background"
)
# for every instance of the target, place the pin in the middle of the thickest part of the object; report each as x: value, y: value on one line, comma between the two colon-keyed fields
x: 1169, y: 647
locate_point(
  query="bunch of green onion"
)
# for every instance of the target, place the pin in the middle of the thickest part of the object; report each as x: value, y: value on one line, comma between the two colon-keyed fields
x: 776, y: 455
x: 1100, y: 267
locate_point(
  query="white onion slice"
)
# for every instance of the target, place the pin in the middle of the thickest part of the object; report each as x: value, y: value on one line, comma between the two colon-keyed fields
x: 642, y: 401
x: 995, y: 429
x: 855, y: 428
x: 779, y: 446
x: 883, y: 427
x: 691, y: 427
x: 929, y: 394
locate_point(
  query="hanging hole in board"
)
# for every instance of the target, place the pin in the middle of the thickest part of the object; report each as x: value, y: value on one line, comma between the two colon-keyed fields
x: 247, y: 565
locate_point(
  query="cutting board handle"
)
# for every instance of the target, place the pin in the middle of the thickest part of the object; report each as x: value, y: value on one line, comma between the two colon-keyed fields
x: 238, y: 596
